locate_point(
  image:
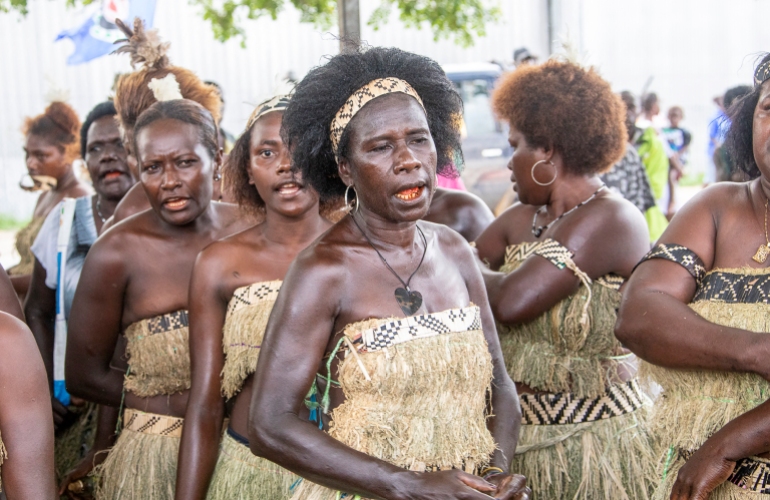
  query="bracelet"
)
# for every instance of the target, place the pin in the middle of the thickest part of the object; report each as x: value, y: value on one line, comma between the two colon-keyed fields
x: 491, y: 471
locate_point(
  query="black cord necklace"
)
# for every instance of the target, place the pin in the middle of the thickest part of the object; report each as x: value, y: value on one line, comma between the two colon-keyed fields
x: 408, y: 300
x: 538, y: 230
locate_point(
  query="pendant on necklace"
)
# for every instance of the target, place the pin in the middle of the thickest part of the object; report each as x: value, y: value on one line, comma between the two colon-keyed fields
x: 763, y: 252
x: 409, y: 301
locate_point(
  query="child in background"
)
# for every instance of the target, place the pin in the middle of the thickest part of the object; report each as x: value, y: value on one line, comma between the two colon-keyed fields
x: 678, y: 140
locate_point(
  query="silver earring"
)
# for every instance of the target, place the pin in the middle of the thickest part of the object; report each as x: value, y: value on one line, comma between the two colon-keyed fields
x: 217, y: 175
x: 542, y: 183
x: 355, y: 199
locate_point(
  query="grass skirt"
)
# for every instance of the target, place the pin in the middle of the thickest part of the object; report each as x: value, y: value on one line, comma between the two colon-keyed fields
x: 610, y: 459
x: 72, y: 444
x: 139, y: 466
x: 243, y: 475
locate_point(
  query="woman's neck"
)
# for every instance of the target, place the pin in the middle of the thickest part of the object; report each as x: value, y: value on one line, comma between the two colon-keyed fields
x: 66, y: 181
x: 296, y: 231
x: 570, y: 192
x: 383, y: 232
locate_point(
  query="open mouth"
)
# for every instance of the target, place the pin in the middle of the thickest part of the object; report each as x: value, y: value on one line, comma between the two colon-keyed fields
x: 175, y: 204
x: 289, y: 189
x: 410, y: 194
x: 111, y: 175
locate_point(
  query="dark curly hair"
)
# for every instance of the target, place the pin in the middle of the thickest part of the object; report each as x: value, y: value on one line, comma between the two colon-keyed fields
x: 739, y: 142
x: 186, y: 111
x: 571, y: 109
x: 106, y: 108
x: 60, y: 125
x: 319, y: 96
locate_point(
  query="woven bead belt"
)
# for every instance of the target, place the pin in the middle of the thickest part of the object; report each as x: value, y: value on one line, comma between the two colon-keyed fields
x: 150, y: 423
x: 564, y: 408
x: 752, y: 474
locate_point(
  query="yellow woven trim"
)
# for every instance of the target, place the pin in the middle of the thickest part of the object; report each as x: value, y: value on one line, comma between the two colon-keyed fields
x: 151, y: 423
x: 361, y: 97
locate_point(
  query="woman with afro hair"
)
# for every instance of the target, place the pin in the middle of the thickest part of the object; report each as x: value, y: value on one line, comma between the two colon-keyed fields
x: 696, y: 310
x: 562, y: 252
x: 382, y: 324
x: 52, y: 144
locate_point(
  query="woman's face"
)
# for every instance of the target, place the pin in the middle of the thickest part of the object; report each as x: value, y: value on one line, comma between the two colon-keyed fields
x: 270, y: 170
x: 761, y: 138
x: 521, y: 163
x: 45, y: 158
x: 391, y: 159
x: 106, y: 159
x: 176, y: 170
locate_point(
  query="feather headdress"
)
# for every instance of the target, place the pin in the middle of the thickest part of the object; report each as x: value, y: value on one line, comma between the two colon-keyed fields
x: 143, y: 46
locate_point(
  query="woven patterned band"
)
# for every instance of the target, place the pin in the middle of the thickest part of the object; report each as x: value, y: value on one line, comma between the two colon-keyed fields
x: 564, y: 408
x: 762, y: 73
x: 150, y: 423
x: 359, y: 99
x: 277, y: 103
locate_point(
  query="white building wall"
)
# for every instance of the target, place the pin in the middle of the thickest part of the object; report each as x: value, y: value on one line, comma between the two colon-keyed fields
x: 694, y: 49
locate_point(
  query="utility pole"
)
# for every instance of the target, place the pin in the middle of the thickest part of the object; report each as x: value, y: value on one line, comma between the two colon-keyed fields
x: 350, y: 24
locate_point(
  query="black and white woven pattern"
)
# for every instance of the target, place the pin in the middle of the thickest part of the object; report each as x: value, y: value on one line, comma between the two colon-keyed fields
x: 734, y: 288
x: 361, y: 97
x: 564, y: 408
x: 752, y: 474
x: 397, y: 331
x: 681, y: 255
x: 167, y: 322
x: 251, y: 294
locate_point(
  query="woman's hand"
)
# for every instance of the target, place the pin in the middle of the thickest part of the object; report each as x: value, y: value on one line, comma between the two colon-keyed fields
x: 510, y: 487
x: 702, y: 473
x: 80, y: 472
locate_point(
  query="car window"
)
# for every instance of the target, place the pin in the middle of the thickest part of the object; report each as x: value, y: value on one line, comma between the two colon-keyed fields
x: 476, y: 95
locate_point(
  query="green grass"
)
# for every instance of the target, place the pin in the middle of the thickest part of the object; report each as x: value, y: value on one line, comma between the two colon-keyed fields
x: 11, y: 223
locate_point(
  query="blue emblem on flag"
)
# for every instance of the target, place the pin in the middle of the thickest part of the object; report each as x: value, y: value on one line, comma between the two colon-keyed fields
x: 96, y: 36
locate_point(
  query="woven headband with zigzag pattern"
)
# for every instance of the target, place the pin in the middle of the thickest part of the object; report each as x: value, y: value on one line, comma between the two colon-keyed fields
x: 762, y: 73
x: 359, y: 99
x: 277, y: 103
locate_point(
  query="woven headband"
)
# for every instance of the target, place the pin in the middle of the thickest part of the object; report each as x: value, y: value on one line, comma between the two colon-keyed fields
x: 762, y: 73
x: 277, y: 103
x: 359, y: 99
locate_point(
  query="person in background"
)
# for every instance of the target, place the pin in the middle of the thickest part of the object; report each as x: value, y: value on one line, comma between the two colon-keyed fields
x: 522, y: 57
x: 462, y: 211
x: 717, y: 130
x: 60, y: 250
x: 696, y: 311
x: 678, y: 140
x: 653, y: 155
x: 650, y: 119
x: 725, y: 166
x: 226, y: 139
x: 52, y: 144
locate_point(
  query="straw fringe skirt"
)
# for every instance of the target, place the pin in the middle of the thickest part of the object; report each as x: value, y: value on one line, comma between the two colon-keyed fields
x: 142, y: 464
x: 242, y: 475
x: 71, y: 445
x: 610, y: 459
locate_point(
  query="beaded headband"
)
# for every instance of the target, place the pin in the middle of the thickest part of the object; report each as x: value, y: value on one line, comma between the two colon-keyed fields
x: 277, y: 103
x: 369, y: 92
x: 762, y: 73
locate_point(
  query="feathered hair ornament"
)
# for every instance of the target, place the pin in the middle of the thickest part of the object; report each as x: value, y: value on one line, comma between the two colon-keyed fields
x: 143, y: 46
x: 166, y: 88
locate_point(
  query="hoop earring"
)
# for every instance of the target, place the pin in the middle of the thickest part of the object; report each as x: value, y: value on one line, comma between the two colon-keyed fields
x: 537, y: 181
x: 355, y: 199
x: 217, y: 175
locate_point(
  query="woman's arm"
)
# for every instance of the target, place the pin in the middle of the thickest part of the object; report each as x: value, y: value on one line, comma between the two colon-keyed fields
x: 296, y: 340
x: 655, y: 321
x: 25, y: 415
x: 206, y: 407
x: 95, y: 324
x: 492, y: 242
x: 505, y: 420
x: 710, y: 466
x: 9, y: 301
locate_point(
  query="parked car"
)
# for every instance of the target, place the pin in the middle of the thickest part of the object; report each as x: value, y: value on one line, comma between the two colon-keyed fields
x: 485, y: 142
